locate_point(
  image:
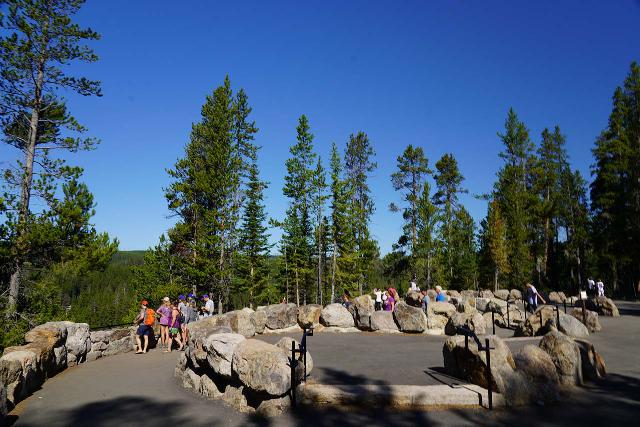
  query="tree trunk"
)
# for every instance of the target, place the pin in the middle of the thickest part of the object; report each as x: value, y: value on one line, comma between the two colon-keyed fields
x: 333, y: 274
x: 495, y: 279
x: 297, y: 289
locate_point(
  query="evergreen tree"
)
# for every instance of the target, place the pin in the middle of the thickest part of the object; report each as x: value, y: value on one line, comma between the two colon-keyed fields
x: 254, y: 245
x: 615, y: 190
x: 448, y: 181
x: 358, y: 166
x: 513, y: 192
x: 318, y: 201
x: 298, y: 230
x: 463, y: 251
x: 412, y: 171
x: 38, y: 41
x: 426, y: 244
x: 496, y: 238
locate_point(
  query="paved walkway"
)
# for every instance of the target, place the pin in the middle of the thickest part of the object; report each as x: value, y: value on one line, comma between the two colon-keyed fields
x: 132, y: 390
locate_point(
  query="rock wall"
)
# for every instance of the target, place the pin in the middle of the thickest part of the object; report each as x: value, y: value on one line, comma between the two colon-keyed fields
x: 51, y: 348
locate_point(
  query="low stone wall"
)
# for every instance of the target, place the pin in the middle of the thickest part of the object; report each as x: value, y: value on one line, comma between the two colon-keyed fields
x: 51, y: 348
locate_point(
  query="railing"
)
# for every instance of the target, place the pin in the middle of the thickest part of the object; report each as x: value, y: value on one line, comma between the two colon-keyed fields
x: 302, y: 349
x: 463, y: 330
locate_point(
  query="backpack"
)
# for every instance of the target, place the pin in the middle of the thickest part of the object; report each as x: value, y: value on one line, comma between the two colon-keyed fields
x: 149, y: 317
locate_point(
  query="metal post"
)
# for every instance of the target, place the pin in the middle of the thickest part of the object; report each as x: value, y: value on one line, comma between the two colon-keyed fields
x: 584, y: 312
x: 508, y: 317
x: 558, y: 316
x: 293, y: 373
x: 466, y: 342
x: 304, y: 359
x: 565, y: 306
x: 489, y: 380
x: 493, y: 321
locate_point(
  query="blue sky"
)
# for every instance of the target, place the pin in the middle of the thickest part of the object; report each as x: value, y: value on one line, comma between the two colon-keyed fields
x: 439, y: 74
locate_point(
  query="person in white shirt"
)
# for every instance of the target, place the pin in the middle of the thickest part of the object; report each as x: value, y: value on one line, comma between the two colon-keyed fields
x: 208, y: 308
x: 600, y: 287
x: 532, y: 296
x: 414, y: 285
x: 591, y: 286
x: 378, y: 304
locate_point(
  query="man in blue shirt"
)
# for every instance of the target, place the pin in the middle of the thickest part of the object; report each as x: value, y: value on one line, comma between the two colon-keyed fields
x: 532, y: 298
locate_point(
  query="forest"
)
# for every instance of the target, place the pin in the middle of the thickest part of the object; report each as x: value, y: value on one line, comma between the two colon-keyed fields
x: 545, y: 222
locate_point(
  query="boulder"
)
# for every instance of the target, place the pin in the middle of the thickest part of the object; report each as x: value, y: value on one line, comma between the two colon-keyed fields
x: 234, y: 397
x: 593, y: 323
x: 204, y: 327
x: 565, y: 354
x: 383, y: 321
x: 557, y: 297
x: 190, y: 379
x: 488, y: 321
x: 262, y: 367
x: 603, y: 306
x: 123, y: 345
x: 208, y: 388
x: 281, y: 316
x: 432, y: 294
x: 469, y: 364
x: 410, y: 319
x: 309, y: 315
x: 481, y: 304
x: 53, y: 332
x: 413, y: 299
x: 468, y: 294
x: 502, y: 294
x: 284, y: 344
x: 220, y: 348
x: 472, y: 320
x: 454, y: 294
x: 539, y: 371
x: 3, y: 402
x: 436, y: 322
x: 19, y: 373
x: 240, y: 322
x: 259, y: 320
x: 536, y: 324
x: 593, y: 367
x: 486, y: 294
x: 273, y: 407
x: 515, y: 294
x: 336, y: 315
x: 515, y: 317
x: 442, y: 308
x: 363, y: 308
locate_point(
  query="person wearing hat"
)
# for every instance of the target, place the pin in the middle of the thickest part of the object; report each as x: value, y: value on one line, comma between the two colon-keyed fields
x: 165, y: 317
x: 208, y: 308
x: 144, y: 330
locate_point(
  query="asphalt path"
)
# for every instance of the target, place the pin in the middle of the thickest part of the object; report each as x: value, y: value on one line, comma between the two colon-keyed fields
x: 134, y: 390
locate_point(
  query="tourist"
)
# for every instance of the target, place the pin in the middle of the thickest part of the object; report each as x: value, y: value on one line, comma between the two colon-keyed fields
x: 378, y: 304
x: 209, y: 307
x: 413, y: 285
x: 394, y: 293
x: 440, y: 296
x: 591, y: 285
x: 532, y: 298
x: 175, y: 329
x: 345, y: 299
x: 184, y: 307
x: 424, y: 301
x: 165, y: 316
x: 146, y: 319
x: 600, y: 287
x: 391, y: 301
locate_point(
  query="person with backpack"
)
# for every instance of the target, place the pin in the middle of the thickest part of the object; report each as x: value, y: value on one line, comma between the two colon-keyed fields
x: 189, y: 314
x: 146, y: 319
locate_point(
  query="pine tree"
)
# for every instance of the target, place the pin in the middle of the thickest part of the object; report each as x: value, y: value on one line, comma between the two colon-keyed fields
x: 413, y: 169
x: 38, y: 41
x: 358, y: 166
x: 513, y: 192
x: 254, y: 241
x: 449, y: 184
x: 464, y: 264
x: 298, y: 231
x: 497, y: 242
x: 319, y: 198
x: 615, y: 190
x: 426, y: 245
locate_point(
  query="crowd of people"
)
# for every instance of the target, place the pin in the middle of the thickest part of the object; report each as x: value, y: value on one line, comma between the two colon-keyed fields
x: 173, y: 318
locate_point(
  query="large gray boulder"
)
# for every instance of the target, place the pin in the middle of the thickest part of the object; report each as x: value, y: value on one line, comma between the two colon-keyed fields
x: 540, y: 374
x: 538, y: 324
x: 413, y: 299
x: 220, y: 349
x: 502, y: 294
x: 3, y: 401
x: 557, y: 297
x: 565, y: 354
x: 383, y: 321
x: 442, y: 308
x: 593, y: 323
x: 124, y: 344
x: 204, y: 327
x: 281, y: 316
x: 410, y: 319
x: 262, y: 367
x: 309, y: 315
x: 241, y: 323
x: 471, y: 319
x: 486, y: 294
x: 363, y: 308
x: 469, y: 364
x: 515, y: 294
x: 336, y: 315
x: 259, y: 320
x: 604, y: 306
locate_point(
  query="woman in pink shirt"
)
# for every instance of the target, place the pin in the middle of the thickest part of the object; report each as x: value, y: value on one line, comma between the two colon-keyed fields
x: 165, y: 318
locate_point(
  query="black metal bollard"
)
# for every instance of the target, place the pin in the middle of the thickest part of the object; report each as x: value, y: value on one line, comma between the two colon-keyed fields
x: 557, y: 316
x: 565, y: 306
x: 466, y: 342
x: 493, y: 321
x: 489, y: 381
x: 508, y: 320
x: 293, y: 373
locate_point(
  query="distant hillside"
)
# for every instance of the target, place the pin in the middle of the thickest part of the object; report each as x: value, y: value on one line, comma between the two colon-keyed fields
x: 128, y: 258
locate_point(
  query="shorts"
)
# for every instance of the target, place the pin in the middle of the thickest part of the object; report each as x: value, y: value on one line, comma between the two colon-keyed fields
x: 144, y: 330
x: 174, y: 331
